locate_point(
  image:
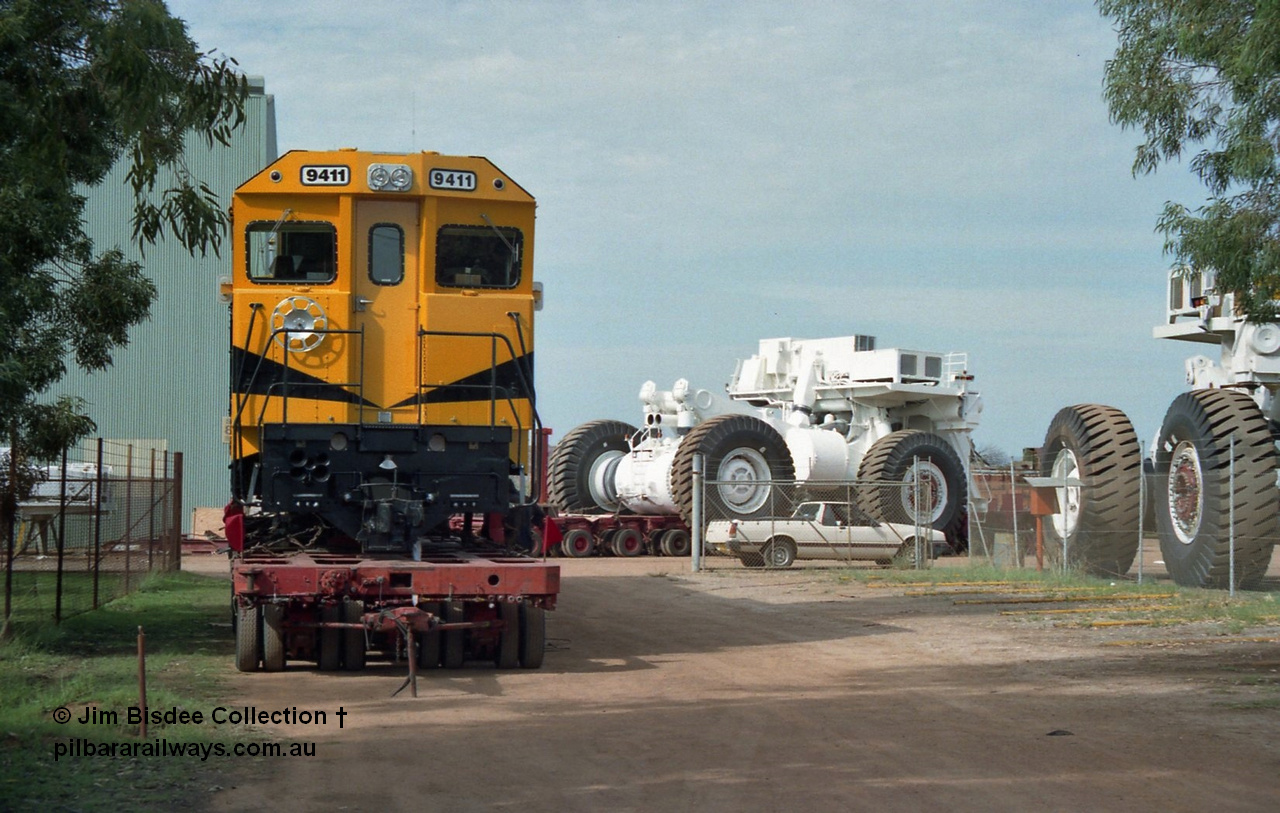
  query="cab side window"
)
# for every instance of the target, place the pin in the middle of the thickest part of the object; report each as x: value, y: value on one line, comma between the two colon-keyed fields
x: 478, y: 256
x: 299, y: 253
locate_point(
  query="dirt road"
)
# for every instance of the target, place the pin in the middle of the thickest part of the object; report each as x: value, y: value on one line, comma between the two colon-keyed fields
x: 789, y: 691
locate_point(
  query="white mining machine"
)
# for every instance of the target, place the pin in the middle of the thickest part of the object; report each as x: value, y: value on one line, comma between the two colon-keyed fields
x: 1212, y: 471
x: 812, y: 410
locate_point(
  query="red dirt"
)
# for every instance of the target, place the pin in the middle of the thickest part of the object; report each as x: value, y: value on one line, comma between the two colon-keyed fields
x: 790, y: 691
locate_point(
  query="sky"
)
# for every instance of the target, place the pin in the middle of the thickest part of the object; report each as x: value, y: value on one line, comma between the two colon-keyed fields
x: 941, y: 175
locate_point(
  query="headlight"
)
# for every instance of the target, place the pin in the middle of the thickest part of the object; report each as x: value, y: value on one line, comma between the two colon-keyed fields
x: 390, y: 177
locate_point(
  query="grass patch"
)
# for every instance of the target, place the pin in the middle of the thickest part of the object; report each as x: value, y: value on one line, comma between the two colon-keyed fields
x: 1249, y: 610
x: 90, y: 661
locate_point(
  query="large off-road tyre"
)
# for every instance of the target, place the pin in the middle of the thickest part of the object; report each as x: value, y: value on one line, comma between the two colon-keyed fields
x: 248, y: 639
x: 1193, y: 494
x: 891, y: 460
x: 533, y: 636
x: 272, y: 638
x: 1098, y: 521
x: 353, y: 641
x: 330, y: 657
x: 746, y: 457
x: 580, y: 473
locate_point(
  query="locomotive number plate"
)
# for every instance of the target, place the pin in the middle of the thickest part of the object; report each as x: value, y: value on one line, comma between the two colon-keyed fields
x: 452, y: 179
x: 317, y: 175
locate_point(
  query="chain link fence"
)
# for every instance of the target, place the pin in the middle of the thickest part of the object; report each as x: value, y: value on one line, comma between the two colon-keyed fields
x: 775, y: 524
x: 95, y: 525
x: 1195, y: 524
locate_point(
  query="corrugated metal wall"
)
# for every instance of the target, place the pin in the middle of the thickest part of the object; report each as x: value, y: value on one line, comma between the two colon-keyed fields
x: 171, y: 383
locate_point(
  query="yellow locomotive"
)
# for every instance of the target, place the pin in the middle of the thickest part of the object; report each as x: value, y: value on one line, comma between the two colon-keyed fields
x: 382, y: 350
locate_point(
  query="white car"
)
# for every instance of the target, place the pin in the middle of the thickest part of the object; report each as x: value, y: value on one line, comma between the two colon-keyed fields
x: 818, y: 530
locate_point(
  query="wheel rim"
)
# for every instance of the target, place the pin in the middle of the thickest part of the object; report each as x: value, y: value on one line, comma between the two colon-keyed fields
x: 1066, y: 467
x: 933, y: 483
x: 1186, y: 492
x: 600, y: 480
x: 778, y: 555
x: 741, y: 475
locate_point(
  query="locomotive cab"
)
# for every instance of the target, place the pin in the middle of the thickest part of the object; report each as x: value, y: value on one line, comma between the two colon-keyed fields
x: 381, y: 350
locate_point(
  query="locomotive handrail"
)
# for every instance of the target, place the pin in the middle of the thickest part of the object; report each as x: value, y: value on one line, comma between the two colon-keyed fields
x: 493, y: 387
x: 285, y: 383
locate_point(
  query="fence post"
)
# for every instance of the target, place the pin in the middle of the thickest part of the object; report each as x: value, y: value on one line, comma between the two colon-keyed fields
x: 696, y: 517
x: 1231, y: 517
x: 10, y: 527
x: 97, y: 524
x: 175, y: 488
x: 152, y: 510
x: 1015, y: 553
x: 62, y: 541
x: 128, y: 515
x: 1142, y: 504
x: 915, y: 514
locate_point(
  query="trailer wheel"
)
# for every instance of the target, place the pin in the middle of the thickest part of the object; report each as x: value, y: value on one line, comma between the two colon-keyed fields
x: 578, y: 543
x: 353, y: 642
x: 675, y: 542
x: 746, y: 457
x: 330, y: 639
x: 429, y: 642
x: 508, y: 655
x: 454, y: 640
x: 780, y: 552
x: 1097, y: 523
x: 272, y: 638
x: 533, y: 636
x: 892, y: 459
x: 1193, y: 489
x: 248, y: 639
x: 580, y: 471
x: 627, y: 542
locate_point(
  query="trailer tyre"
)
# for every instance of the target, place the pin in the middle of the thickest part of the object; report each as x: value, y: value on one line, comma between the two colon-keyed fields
x: 675, y: 542
x: 508, y: 655
x: 1099, y: 523
x: 454, y: 640
x: 272, y: 638
x: 746, y: 456
x: 330, y: 639
x: 580, y: 471
x: 578, y: 544
x: 248, y: 639
x: 353, y: 642
x: 533, y: 636
x: 429, y: 642
x: 627, y: 542
x: 1193, y: 489
x: 892, y: 459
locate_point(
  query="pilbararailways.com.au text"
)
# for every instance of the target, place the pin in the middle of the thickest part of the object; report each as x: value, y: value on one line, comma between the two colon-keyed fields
x: 80, y: 748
